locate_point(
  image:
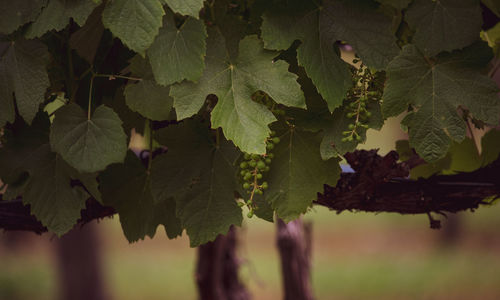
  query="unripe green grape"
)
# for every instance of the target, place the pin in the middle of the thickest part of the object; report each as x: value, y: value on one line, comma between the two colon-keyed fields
x: 252, y: 163
x: 243, y: 172
x: 345, y: 139
x: 259, y: 176
x: 261, y: 165
x: 273, y: 132
x: 268, y: 161
x: 246, y: 185
x: 241, y: 204
x: 247, y: 176
x: 246, y: 156
x: 358, y: 137
x: 255, y: 156
x: 270, y: 155
x: 266, y: 169
x: 250, y: 214
x: 258, y: 192
x: 351, y: 126
x: 368, y: 114
x: 269, y: 146
x: 244, y: 165
x: 264, y: 185
x: 276, y: 140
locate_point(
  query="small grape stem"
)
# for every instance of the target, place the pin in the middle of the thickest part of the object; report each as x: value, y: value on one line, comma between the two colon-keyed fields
x: 358, y: 109
x: 255, y: 187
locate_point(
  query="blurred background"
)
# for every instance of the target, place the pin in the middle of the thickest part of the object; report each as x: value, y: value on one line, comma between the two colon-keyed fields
x: 354, y: 256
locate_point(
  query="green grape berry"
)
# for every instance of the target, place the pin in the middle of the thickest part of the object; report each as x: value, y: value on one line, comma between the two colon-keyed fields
x: 243, y: 172
x: 246, y: 156
x: 268, y: 161
x: 244, y: 165
x: 259, y: 176
x: 269, y: 146
x: 246, y: 185
x: 270, y: 155
x: 250, y: 214
x: 241, y: 204
x: 264, y: 185
x: 252, y: 163
x: 266, y: 169
x: 261, y: 165
x: 247, y: 176
x: 276, y: 140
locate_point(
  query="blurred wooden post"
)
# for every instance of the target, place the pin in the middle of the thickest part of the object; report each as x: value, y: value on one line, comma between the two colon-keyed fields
x: 79, y: 261
x: 217, y: 270
x: 294, y: 245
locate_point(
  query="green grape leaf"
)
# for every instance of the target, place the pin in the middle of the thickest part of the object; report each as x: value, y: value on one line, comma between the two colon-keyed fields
x: 298, y: 173
x: 360, y: 24
x: 243, y: 121
x: 436, y: 89
x: 493, y: 5
x: 399, y: 4
x: 297, y: 20
x: 444, y: 25
x: 178, y: 54
x: 86, y: 40
x: 126, y: 187
x: 464, y: 157
x: 14, y: 14
x: 135, y: 22
x: 23, y: 73
x: 57, y: 15
x: 131, y: 120
x: 201, y: 176
x: 89, y: 145
x: 490, y: 145
x: 48, y: 189
x: 185, y: 7
x: 149, y: 99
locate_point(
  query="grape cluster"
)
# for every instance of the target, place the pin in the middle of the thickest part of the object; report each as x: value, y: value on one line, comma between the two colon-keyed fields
x: 366, y: 87
x: 264, y: 99
x: 252, y: 170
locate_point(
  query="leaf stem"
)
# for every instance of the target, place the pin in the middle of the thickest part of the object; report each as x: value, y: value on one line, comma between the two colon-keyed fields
x: 90, y: 96
x: 113, y: 77
x: 150, y: 160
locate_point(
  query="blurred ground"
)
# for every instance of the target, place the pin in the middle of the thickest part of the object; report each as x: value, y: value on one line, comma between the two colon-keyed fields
x: 355, y: 256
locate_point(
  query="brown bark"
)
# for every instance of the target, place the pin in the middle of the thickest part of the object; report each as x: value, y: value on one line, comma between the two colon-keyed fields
x: 79, y: 265
x: 294, y: 245
x: 217, y: 270
x: 380, y: 184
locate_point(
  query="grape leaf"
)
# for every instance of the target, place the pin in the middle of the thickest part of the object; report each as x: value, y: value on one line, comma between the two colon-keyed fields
x: 298, y: 173
x: 493, y: 5
x: 360, y: 24
x: 126, y: 187
x: 299, y: 20
x: 243, y: 121
x: 48, y: 189
x: 436, y: 89
x: 89, y: 145
x: 86, y: 40
x: 201, y: 176
x: 57, y: 15
x: 185, y: 7
x: 23, y: 72
x: 149, y: 99
x: 135, y: 22
x: 129, y: 118
x: 490, y: 145
x: 14, y: 14
x: 444, y: 25
x: 178, y: 54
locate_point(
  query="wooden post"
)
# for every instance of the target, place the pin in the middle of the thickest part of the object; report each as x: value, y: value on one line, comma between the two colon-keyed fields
x: 294, y: 245
x: 217, y: 270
